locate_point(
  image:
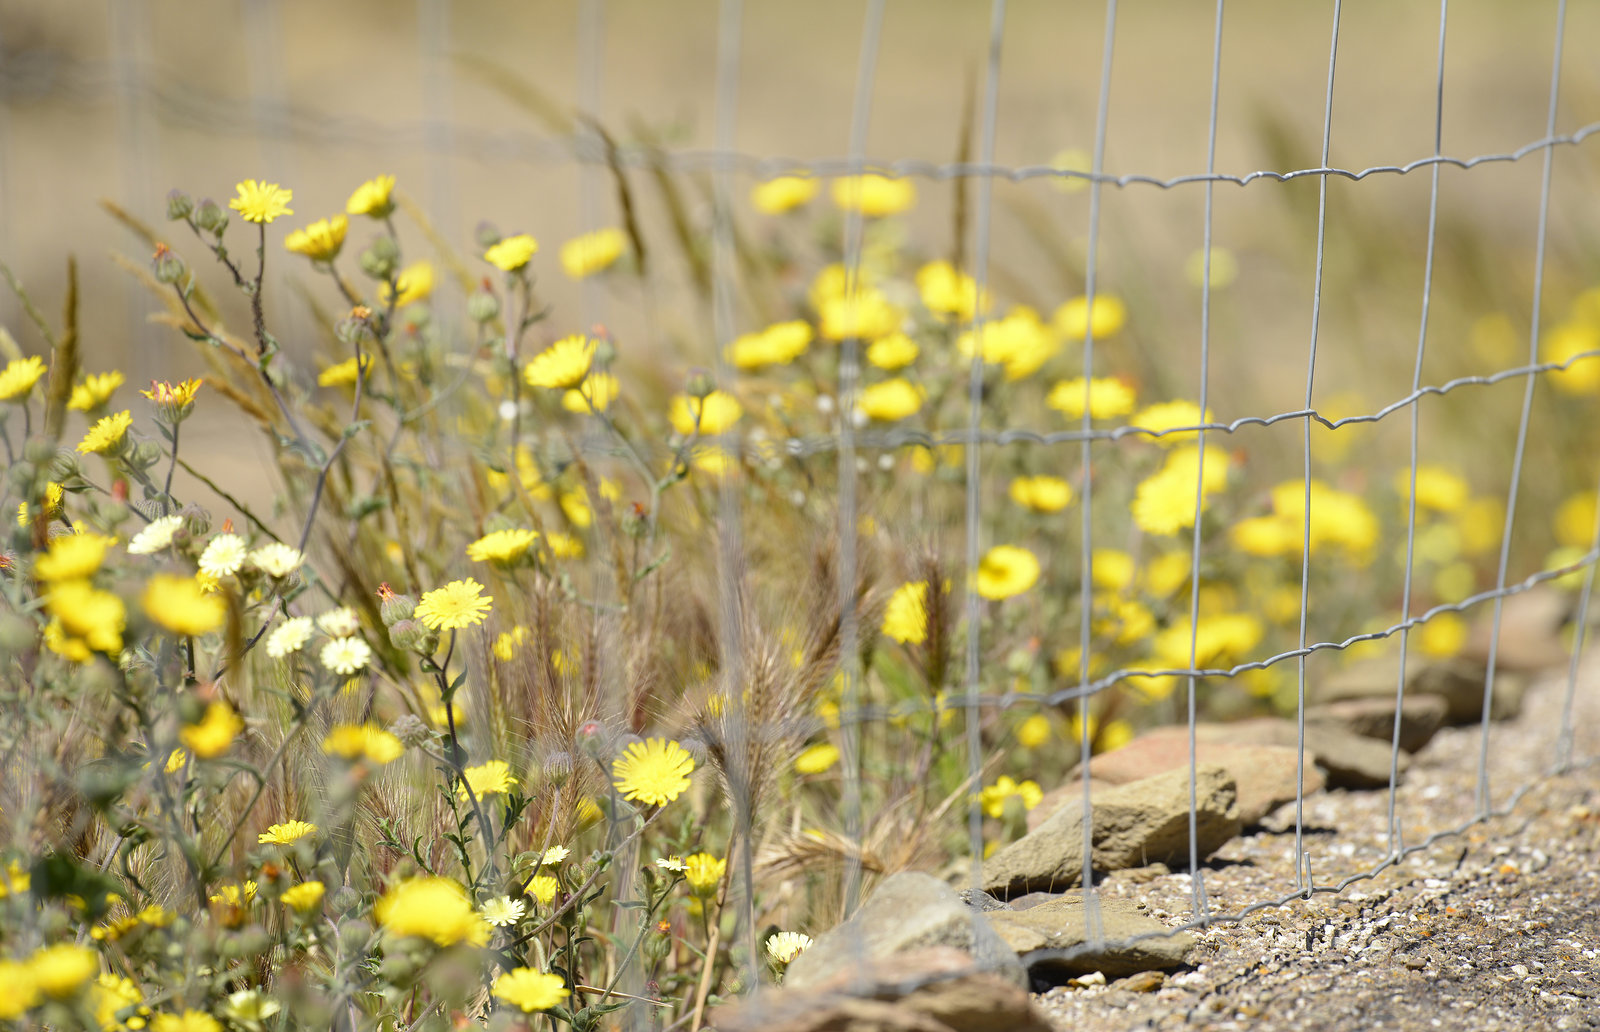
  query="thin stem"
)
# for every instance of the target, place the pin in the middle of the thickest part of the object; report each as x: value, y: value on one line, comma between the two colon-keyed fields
x: 166, y: 492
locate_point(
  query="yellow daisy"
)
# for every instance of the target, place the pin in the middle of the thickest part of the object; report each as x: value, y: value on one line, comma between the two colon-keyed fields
x: 512, y: 253
x: 563, y: 365
x: 372, y: 198
x: 320, y: 241
x: 1006, y: 570
x: 19, y: 377
x: 260, y: 201
x: 654, y: 772
x: 593, y: 252
x: 457, y: 605
x: 107, y: 435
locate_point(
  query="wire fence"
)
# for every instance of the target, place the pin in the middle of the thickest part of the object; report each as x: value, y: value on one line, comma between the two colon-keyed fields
x: 267, y: 116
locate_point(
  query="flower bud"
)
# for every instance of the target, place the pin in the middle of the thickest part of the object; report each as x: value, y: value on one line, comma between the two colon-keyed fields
x: 594, y: 741
x: 179, y: 205
x: 605, y: 348
x: 657, y: 946
x: 21, y: 475
x: 40, y: 449
x: 413, y: 636
x: 558, y: 768
x: 196, y: 520
x: 211, y: 217
x: 483, y: 306
x: 144, y: 455
x: 486, y: 235
x: 166, y: 265
x: 700, y: 383
x: 411, y: 731
x: 356, y: 328
x: 394, y: 607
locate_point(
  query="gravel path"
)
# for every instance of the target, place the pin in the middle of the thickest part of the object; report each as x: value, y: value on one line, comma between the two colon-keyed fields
x: 1495, y: 928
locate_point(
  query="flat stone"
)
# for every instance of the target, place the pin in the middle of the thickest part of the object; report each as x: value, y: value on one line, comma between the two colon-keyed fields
x: 1143, y: 982
x: 1348, y: 760
x: 925, y: 990
x: 1420, y: 717
x: 1458, y: 681
x: 1133, y: 825
x: 1264, y: 774
x: 907, y: 911
x: 1070, y: 791
x: 1530, y: 631
x: 1041, y: 933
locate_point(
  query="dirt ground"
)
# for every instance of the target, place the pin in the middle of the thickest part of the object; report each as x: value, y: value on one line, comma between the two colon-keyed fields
x: 1495, y: 928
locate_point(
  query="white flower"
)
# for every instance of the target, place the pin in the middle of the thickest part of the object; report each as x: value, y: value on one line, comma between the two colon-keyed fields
x: 554, y: 855
x: 346, y: 655
x: 224, y: 554
x: 785, y: 946
x: 276, y: 559
x: 339, y: 623
x: 289, y: 636
x: 502, y: 911
x: 156, y: 536
x: 671, y: 863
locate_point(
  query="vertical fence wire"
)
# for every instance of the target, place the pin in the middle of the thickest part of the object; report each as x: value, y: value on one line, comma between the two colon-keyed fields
x: 131, y: 47
x: 1483, y: 803
x: 1416, y: 411
x: 1093, y: 926
x: 1305, y: 543
x: 849, y: 371
x: 1196, y: 874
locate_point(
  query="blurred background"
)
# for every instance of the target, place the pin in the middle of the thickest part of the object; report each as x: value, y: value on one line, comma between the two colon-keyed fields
x: 484, y: 109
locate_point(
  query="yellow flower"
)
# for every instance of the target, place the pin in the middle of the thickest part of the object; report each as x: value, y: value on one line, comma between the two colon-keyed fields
x: 1108, y: 398
x: 874, y: 194
x: 896, y: 351
x: 542, y: 887
x: 594, y: 252
x: 600, y: 388
x: 95, y: 390
x: 1443, y: 636
x: 430, y: 907
x: 287, y: 832
x: 1574, y: 520
x: 491, y: 778
x: 235, y: 895
x: 1041, y: 493
x: 563, y: 364
x: 1164, y: 502
x: 815, y: 759
x: 305, y: 896
x: 1006, y: 570
x: 906, y: 617
x: 503, y: 911
x: 1169, y: 415
x: 785, y: 193
x: 343, y: 374
x: 354, y: 741
x: 654, y: 772
x: 372, y: 198
x: 72, y: 557
x: 214, y: 734
x: 173, y: 400
x: 17, y: 991
x: 1034, y: 732
x: 704, y: 873
x: 1126, y: 620
x: 1337, y: 517
x: 457, y: 605
x: 414, y: 284
x: 509, y: 642
x: 180, y: 605
x: 319, y: 241
x: 891, y: 400
x: 106, y: 436
x: 778, y: 344
x: 188, y: 1021
x: 948, y: 292
x: 861, y: 312
x: 1266, y: 536
x: 1564, y: 344
x: 1020, y: 342
x: 529, y: 990
x: 59, y: 971
x: 512, y: 253
x: 1112, y: 569
x: 84, y: 611
x: 224, y: 555
x: 19, y: 376
x: 783, y: 947
x: 1074, y: 321
x: 1220, y: 640
x: 707, y: 416
x: 502, y: 547
x: 993, y: 797
x: 261, y: 201
x: 1438, y: 488
x: 112, y: 994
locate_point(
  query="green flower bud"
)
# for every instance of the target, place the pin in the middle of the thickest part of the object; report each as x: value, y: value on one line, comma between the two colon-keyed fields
x: 179, y: 205
x: 700, y: 383
x: 486, y: 235
x: 211, y: 217
x: 483, y: 306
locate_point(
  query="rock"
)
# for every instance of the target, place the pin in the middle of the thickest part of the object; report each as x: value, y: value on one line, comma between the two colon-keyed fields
x: 980, y: 901
x: 1070, y: 791
x: 1420, y: 716
x: 1348, y: 760
x: 1133, y: 825
x: 1143, y: 982
x: 1264, y: 774
x: 1458, y: 681
x: 1530, y: 631
x: 927, y: 990
x: 1037, y: 934
x: 907, y: 911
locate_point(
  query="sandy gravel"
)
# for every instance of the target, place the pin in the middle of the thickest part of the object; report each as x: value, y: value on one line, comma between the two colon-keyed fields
x: 1495, y: 928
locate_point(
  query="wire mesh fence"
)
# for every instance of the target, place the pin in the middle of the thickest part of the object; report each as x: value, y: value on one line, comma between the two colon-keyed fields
x: 850, y: 460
